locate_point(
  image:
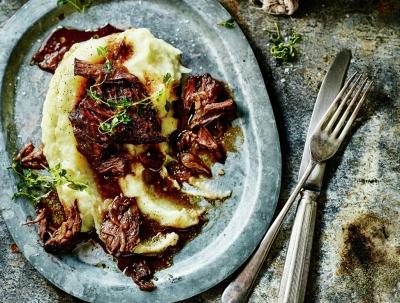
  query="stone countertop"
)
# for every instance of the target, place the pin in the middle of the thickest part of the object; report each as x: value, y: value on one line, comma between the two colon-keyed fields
x: 356, y: 251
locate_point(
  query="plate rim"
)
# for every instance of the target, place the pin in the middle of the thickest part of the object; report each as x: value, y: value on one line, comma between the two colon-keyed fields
x: 34, y: 10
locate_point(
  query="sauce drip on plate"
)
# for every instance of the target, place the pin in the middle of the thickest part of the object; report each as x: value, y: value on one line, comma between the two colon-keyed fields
x: 60, y: 41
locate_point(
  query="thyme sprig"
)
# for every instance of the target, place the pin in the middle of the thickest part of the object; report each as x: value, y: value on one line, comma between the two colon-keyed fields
x: 283, y: 48
x: 34, y: 185
x: 123, y: 105
x: 230, y: 23
x: 78, y: 5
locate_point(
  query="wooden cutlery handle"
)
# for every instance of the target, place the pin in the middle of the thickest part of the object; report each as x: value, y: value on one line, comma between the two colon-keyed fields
x: 294, y: 278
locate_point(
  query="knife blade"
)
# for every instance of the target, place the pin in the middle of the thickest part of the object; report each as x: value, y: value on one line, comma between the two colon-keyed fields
x: 330, y: 87
x: 294, y: 278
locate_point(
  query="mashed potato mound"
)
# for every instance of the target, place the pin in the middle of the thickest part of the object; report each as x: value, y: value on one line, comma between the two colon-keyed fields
x: 151, y: 59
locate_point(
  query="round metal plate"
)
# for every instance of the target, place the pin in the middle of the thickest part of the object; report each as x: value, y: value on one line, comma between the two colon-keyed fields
x: 235, y: 226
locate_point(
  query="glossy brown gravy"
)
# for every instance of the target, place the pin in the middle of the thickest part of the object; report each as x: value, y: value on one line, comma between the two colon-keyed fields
x: 60, y: 41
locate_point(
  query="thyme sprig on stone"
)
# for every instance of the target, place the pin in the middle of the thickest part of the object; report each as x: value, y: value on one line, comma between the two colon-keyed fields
x: 283, y: 48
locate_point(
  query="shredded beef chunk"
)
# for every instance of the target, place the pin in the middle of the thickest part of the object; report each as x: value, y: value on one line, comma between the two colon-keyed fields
x: 66, y: 237
x: 143, y: 127
x: 195, y: 164
x: 115, y: 166
x: 120, y: 228
x: 31, y: 157
x: 142, y: 275
x: 205, y: 110
x: 206, y: 98
x: 58, y: 227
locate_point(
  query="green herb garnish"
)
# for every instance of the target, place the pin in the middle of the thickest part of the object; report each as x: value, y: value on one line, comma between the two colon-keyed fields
x: 108, y: 67
x: 112, y: 122
x: 79, y: 5
x: 102, y: 51
x: 167, y: 78
x: 283, y: 49
x: 124, y: 104
x: 230, y: 23
x: 93, y: 95
x: 35, y: 186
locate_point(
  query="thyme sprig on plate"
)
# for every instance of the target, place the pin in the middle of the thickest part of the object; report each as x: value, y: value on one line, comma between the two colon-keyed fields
x: 230, y: 23
x: 122, y: 106
x: 34, y: 185
x: 283, y: 48
x: 78, y: 5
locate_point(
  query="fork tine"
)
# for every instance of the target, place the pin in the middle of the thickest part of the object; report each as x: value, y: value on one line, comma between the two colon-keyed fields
x: 338, y: 111
x: 331, y: 109
x: 355, y: 112
x: 348, y: 110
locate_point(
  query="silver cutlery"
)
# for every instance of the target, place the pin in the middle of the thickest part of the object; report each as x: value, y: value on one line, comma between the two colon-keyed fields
x: 325, y: 141
x: 295, y: 273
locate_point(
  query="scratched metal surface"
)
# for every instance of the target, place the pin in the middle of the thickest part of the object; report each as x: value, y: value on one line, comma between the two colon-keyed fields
x: 356, y: 254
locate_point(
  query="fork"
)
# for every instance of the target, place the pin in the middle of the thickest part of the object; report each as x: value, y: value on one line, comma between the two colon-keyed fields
x: 325, y: 142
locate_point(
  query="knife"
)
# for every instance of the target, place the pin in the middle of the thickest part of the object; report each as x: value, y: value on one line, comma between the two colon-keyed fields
x: 294, y: 278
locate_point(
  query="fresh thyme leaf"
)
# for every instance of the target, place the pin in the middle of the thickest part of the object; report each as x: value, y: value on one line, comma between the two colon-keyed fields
x: 77, y: 186
x: 283, y: 49
x: 35, y: 186
x: 102, y: 51
x: 108, y: 67
x: 111, y: 123
x: 92, y: 94
x: 105, y: 127
x: 123, y: 104
x: 79, y: 5
x: 167, y: 78
x: 230, y: 23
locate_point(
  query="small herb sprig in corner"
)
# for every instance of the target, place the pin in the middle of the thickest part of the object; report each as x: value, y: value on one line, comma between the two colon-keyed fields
x: 283, y: 48
x: 78, y: 5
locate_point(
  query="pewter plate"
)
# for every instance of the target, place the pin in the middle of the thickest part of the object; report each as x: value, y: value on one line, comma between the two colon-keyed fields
x: 235, y: 226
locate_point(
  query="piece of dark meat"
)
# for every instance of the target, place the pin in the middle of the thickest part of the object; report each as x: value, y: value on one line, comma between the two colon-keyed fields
x: 120, y: 228
x: 211, y: 112
x: 117, y: 165
x: 195, y: 142
x: 31, y: 157
x: 152, y: 158
x: 138, y: 269
x: 85, y: 119
x: 41, y: 220
x: 50, y: 215
x: 142, y: 275
x: 66, y: 236
x: 144, y: 127
x: 179, y: 172
x: 117, y: 74
x: 206, y: 99
x: 194, y: 163
x: 204, y: 109
x: 58, y: 227
x: 94, y: 144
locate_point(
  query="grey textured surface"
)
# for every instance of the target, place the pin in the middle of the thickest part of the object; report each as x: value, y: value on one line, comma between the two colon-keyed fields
x: 234, y: 227
x: 362, y: 184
